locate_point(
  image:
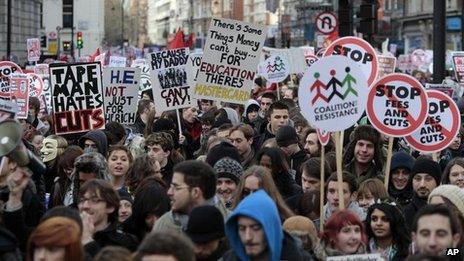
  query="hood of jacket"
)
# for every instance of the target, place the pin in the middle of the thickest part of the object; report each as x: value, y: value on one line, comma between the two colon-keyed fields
x: 97, y: 136
x: 232, y: 115
x: 247, y: 104
x: 260, y: 207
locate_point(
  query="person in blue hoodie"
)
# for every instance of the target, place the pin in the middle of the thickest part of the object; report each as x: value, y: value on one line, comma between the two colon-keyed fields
x: 255, y: 232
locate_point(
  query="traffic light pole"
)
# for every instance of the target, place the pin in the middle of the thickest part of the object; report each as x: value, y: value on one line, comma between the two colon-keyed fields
x: 439, y: 40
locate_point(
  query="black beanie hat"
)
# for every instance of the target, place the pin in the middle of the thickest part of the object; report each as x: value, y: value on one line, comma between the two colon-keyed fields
x: 428, y: 166
x: 201, y: 232
x: 124, y: 195
x: 286, y: 136
x: 223, y: 149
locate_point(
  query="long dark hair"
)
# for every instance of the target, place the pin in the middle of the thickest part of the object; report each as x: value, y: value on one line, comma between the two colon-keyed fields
x: 399, y: 231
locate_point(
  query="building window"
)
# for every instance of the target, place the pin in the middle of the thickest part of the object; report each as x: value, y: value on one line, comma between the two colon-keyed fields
x: 67, y: 13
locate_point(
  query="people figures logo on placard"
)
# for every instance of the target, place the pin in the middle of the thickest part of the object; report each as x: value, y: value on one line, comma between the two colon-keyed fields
x: 348, y: 81
x: 318, y: 85
x: 333, y: 83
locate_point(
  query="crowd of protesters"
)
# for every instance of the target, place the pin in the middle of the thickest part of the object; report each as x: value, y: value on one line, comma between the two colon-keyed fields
x: 236, y: 183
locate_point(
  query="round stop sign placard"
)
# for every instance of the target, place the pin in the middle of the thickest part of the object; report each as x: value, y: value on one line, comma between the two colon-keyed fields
x: 358, y: 51
x: 397, y: 104
x: 7, y: 68
x: 332, y: 93
x: 36, y: 85
x: 441, y: 126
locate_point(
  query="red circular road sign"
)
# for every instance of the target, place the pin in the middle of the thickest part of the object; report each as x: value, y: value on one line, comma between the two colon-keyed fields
x: 440, y: 128
x: 326, y: 22
x: 6, y: 69
x: 397, y: 104
x: 323, y: 136
x: 359, y: 51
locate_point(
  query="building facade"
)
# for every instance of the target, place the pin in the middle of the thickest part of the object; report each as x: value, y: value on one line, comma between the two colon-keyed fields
x: 62, y: 19
x: 26, y: 22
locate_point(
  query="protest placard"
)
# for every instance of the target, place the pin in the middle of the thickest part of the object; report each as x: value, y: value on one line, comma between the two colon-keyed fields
x: 276, y: 68
x: 310, y: 59
x: 447, y: 89
x: 386, y: 65
x: 418, y: 58
x: 77, y: 97
x: 192, y: 67
x: 7, y: 68
x: 458, y: 65
x: 19, y: 89
x: 41, y: 69
x: 120, y: 88
x: 441, y: 126
x: 404, y: 62
x: 362, y: 257
x: 145, y: 81
x: 8, y: 110
x: 332, y: 93
x: 169, y: 78
x: 117, y: 61
x: 33, y: 49
x: 229, y: 62
x: 359, y: 51
x: 36, y: 85
x: 397, y: 105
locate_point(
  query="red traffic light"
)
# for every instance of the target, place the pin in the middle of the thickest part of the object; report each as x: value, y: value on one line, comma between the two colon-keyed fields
x: 79, y: 34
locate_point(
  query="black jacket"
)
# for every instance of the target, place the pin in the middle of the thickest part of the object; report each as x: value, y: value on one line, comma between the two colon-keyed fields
x: 290, y: 251
x: 412, y: 208
x: 111, y: 236
x: 295, y: 163
x: 9, y: 246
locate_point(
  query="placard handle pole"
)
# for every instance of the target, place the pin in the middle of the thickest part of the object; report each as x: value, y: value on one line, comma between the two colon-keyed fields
x: 388, y: 164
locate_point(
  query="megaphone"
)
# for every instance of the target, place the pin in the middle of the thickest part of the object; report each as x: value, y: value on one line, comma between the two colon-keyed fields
x: 11, y: 145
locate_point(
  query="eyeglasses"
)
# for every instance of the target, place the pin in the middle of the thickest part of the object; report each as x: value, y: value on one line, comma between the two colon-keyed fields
x: 92, y: 200
x: 177, y: 187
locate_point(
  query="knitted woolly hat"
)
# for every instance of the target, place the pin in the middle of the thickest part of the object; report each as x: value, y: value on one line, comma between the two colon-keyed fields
x: 300, y: 225
x: 286, y: 136
x: 228, y: 168
x: 428, y: 166
x: 366, y: 132
x: 452, y: 193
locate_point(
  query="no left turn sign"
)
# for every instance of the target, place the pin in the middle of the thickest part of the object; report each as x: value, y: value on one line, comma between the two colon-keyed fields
x: 441, y: 126
x: 326, y: 22
x: 397, y: 105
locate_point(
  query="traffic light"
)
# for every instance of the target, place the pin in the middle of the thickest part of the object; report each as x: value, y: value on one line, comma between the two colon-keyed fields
x: 66, y: 46
x: 368, y: 15
x: 43, y: 41
x: 80, y: 43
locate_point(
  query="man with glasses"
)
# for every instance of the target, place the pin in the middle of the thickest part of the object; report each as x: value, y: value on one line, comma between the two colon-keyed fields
x: 193, y: 184
x: 98, y: 205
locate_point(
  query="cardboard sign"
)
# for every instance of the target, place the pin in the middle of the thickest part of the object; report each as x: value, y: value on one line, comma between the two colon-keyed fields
x: 121, y: 94
x: 458, y: 65
x: 332, y: 93
x: 145, y: 81
x: 310, y: 59
x: 323, y: 136
x: 77, y: 93
x: 440, y: 128
x: 359, y: 51
x: 41, y: 69
x: 276, y: 68
x: 19, y: 89
x: 397, y: 104
x: 169, y: 78
x: 36, y: 85
x: 418, y: 58
x: 386, y: 65
x: 363, y: 257
x: 33, y: 49
x: 117, y: 61
x: 229, y: 62
x: 192, y: 67
x: 47, y: 93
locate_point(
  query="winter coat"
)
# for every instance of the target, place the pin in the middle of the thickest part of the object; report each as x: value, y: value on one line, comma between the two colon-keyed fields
x: 111, y: 236
x: 412, y: 208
